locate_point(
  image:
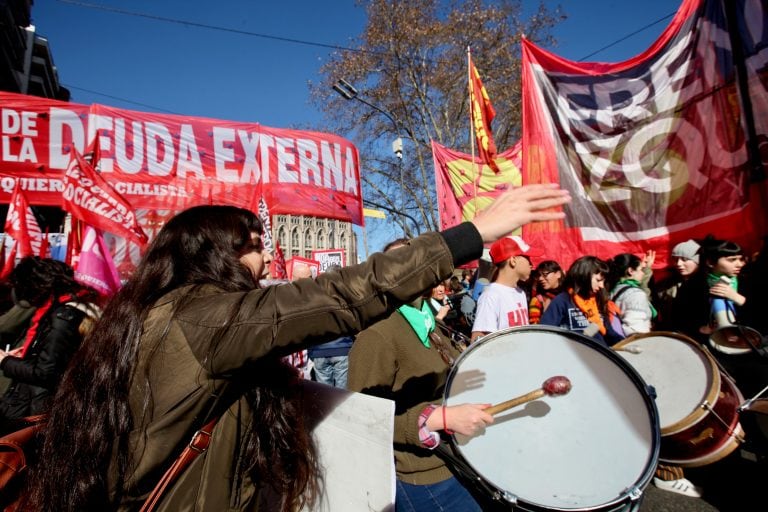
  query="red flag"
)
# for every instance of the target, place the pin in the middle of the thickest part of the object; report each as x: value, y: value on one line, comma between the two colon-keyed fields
x: 277, y: 267
x: 74, y: 244
x: 9, y: 263
x: 482, y: 113
x: 21, y: 225
x: 88, y: 197
x: 44, y: 252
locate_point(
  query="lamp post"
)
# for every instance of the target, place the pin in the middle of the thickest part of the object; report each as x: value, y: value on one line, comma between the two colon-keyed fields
x: 349, y: 92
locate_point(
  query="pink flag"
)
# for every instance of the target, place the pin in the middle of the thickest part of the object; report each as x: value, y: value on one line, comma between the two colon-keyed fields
x: 95, y: 267
x: 21, y: 225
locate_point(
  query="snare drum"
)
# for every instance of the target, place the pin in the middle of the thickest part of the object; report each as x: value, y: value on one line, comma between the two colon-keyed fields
x: 698, y: 406
x: 595, y: 448
x: 736, y: 340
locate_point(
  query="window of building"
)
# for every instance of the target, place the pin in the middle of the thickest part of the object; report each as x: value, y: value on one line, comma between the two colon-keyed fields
x: 295, y: 238
x: 281, y: 236
x: 320, y: 240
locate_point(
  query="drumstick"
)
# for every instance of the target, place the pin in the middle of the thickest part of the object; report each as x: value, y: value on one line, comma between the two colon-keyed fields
x: 553, y: 386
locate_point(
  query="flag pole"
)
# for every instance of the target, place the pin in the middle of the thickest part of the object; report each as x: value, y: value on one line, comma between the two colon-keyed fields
x: 472, y: 130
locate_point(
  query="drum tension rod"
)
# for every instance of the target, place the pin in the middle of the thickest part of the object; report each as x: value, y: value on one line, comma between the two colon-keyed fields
x: 739, y: 437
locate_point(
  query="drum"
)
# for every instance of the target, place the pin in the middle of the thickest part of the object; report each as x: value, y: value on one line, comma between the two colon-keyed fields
x: 595, y: 448
x: 698, y: 406
x: 736, y: 340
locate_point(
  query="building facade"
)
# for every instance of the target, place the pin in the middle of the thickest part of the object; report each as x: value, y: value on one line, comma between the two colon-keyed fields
x: 299, y: 235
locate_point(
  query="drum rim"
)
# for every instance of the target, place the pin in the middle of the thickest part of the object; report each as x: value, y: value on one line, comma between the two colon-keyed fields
x: 724, y: 349
x: 698, y: 413
x: 645, y: 477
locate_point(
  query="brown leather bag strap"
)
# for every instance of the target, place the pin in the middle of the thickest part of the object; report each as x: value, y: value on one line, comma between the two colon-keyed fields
x: 198, y: 445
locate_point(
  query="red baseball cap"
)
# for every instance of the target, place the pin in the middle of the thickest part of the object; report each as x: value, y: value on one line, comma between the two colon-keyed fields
x: 507, y: 247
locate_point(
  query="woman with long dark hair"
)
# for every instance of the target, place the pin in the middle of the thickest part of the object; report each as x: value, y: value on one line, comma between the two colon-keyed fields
x: 583, y: 305
x: 191, y: 332
x: 63, y: 309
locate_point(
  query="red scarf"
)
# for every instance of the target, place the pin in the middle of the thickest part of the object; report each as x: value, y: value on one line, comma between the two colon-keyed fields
x: 35, y: 323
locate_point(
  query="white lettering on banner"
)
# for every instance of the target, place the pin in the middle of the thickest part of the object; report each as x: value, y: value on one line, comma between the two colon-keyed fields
x: 223, y: 153
x: 159, y: 134
x: 7, y: 184
x: 61, y: 120
x: 238, y: 156
x: 13, y: 122
x: 129, y: 165
x: 26, y: 152
x: 189, y: 156
x: 94, y: 199
x: 98, y: 126
x: 251, y: 171
x: 149, y: 189
x: 308, y: 162
x: 620, y: 162
x: 284, y: 159
x: 18, y: 127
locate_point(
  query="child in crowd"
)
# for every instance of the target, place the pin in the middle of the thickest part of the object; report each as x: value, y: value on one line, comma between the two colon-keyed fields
x: 549, y: 282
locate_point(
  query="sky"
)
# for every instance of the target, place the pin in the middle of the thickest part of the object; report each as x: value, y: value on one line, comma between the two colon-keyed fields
x: 148, y: 63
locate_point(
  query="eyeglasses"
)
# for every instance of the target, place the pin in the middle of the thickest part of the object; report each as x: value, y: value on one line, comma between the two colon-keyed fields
x: 543, y: 275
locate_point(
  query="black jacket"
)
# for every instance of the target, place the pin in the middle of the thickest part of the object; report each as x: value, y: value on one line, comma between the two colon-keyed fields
x: 35, y: 377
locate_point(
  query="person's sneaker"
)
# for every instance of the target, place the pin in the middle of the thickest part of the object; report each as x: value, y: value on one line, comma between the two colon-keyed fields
x: 682, y: 486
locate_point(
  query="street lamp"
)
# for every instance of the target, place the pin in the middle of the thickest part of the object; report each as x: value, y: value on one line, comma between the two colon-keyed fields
x: 349, y: 92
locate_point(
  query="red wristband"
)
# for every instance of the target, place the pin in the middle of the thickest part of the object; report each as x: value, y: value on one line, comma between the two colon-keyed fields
x: 445, y: 426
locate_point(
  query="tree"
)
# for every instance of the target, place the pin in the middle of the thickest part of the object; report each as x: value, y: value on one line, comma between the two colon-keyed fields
x: 411, y: 62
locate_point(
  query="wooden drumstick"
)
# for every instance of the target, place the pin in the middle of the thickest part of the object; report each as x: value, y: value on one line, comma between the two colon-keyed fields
x: 553, y: 386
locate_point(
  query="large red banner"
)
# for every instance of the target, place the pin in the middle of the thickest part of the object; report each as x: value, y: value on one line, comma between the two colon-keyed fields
x: 654, y: 149
x: 171, y: 162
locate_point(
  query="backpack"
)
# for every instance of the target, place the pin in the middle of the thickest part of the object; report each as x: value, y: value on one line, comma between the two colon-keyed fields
x: 16, y: 448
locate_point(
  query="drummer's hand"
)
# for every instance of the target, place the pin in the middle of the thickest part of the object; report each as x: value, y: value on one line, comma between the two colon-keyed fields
x: 465, y: 419
x: 727, y: 292
x: 519, y: 206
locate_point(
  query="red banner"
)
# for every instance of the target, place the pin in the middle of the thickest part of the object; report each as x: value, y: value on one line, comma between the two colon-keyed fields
x: 88, y: 197
x: 172, y: 162
x: 465, y: 187
x: 653, y: 149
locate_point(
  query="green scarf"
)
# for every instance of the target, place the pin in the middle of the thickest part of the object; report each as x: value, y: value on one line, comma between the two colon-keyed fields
x: 421, y: 321
x: 633, y: 283
x: 713, y: 279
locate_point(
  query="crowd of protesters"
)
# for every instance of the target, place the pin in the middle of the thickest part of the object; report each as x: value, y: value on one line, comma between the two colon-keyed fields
x: 242, y: 339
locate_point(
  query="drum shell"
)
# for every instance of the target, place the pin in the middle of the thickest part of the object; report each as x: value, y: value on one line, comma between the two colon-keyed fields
x: 716, y: 435
x: 548, y: 462
x: 709, y: 429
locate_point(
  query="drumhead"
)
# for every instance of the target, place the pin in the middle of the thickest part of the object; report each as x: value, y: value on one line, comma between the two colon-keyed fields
x: 663, y: 359
x: 593, y: 447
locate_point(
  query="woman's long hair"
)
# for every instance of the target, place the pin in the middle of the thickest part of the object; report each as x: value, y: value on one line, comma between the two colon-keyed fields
x: 619, y: 265
x: 579, y: 279
x: 85, y: 445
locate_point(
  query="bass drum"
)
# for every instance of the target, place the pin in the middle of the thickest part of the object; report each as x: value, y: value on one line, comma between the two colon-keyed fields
x: 698, y: 405
x: 595, y: 448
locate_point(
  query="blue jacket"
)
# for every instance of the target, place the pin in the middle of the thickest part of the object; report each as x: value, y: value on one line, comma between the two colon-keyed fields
x: 562, y: 312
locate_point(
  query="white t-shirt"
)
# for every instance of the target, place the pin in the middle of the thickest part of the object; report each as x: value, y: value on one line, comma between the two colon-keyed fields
x: 500, y: 307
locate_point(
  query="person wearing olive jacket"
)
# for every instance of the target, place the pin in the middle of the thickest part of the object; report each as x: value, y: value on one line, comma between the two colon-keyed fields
x: 191, y: 325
